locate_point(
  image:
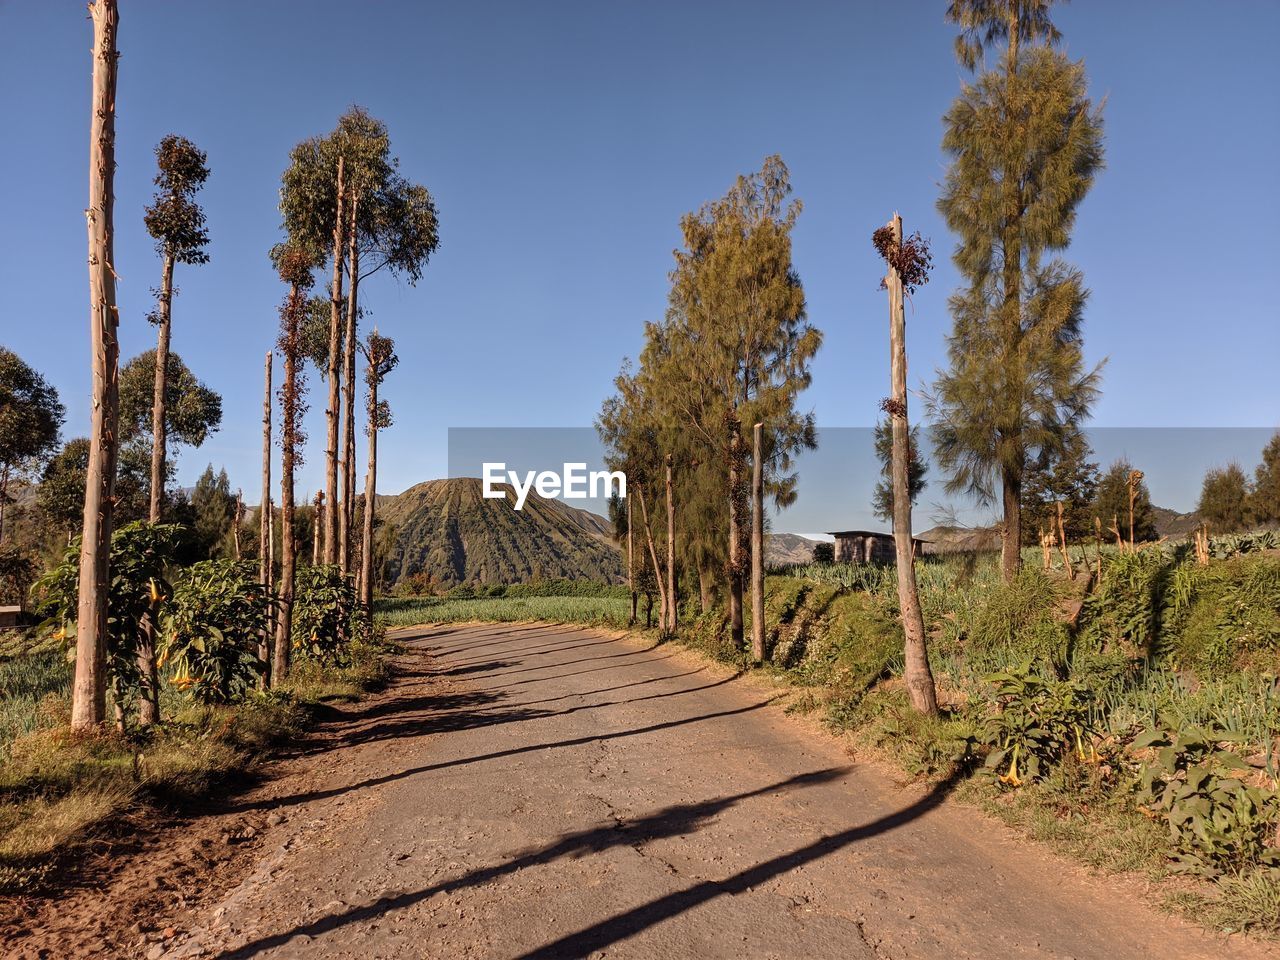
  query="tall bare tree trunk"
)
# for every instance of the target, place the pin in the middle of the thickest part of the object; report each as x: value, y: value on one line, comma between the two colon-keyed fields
x: 158, y: 438
x: 315, y: 527
x: 149, y: 680
x: 757, y: 543
x: 916, y: 672
x: 631, y: 567
x: 735, y: 536
x: 288, y: 546
x: 333, y: 409
x: 653, y: 555
x: 347, y: 519
x: 1011, y: 528
x: 88, y: 695
x: 370, y: 492
x: 673, y: 600
x: 266, y: 549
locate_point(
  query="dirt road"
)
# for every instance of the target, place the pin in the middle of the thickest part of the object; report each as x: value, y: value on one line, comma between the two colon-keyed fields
x: 546, y: 792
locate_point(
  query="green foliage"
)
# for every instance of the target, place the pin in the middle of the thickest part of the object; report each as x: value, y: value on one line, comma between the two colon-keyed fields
x: 174, y: 219
x: 917, y: 470
x: 30, y: 418
x: 1218, y: 821
x: 324, y: 601
x: 60, y: 496
x: 137, y: 593
x: 1020, y: 623
x: 213, y: 510
x: 1265, y: 501
x: 1028, y: 140
x: 1226, y: 616
x: 1225, y: 499
x: 1125, y: 610
x: 18, y: 570
x: 1065, y: 476
x: 1035, y: 723
x: 192, y: 409
x: 214, y: 622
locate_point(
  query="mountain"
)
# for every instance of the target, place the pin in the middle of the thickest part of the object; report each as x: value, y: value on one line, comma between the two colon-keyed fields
x: 781, y: 549
x: 1174, y: 525
x: 446, y: 528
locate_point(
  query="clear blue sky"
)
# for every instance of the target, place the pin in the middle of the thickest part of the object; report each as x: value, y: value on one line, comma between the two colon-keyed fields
x: 563, y: 141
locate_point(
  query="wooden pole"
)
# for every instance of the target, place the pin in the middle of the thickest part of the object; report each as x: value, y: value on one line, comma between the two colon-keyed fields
x: 266, y: 548
x: 333, y: 408
x: 88, y: 692
x: 916, y: 672
x: 631, y: 568
x: 757, y: 543
x: 672, y: 600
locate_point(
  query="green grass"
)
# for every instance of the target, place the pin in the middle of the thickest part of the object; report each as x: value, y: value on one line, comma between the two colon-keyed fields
x: 410, y: 611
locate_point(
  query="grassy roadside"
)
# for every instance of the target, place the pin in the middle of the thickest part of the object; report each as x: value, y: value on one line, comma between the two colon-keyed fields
x: 57, y: 788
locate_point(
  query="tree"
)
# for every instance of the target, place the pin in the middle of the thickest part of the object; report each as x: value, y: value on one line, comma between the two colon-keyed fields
x: 908, y: 261
x: 1025, y: 144
x: 266, y: 554
x: 193, y: 410
x: 213, y: 508
x: 294, y: 264
x: 380, y: 354
x: 735, y: 348
x: 1111, y: 504
x: 1265, y: 501
x: 177, y: 224
x: 386, y: 221
x: 60, y: 495
x: 917, y: 470
x: 88, y: 692
x: 1225, y: 499
x: 1065, y: 476
x: 824, y: 552
x: 30, y: 419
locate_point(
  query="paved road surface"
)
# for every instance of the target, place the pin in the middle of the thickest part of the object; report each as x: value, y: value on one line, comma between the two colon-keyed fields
x: 548, y: 792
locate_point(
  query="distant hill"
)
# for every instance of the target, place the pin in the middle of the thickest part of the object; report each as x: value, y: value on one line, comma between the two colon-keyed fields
x: 447, y: 529
x: 1174, y: 525
x: 949, y: 539
x: 781, y: 549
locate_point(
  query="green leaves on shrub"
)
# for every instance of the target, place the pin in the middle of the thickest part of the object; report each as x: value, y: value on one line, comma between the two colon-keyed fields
x: 1219, y: 822
x: 217, y: 615
x: 324, y: 600
x: 1035, y: 724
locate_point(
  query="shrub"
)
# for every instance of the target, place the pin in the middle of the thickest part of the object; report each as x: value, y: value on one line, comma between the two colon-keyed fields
x: 1218, y: 821
x: 138, y: 590
x: 1035, y: 722
x: 218, y: 613
x: 324, y: 601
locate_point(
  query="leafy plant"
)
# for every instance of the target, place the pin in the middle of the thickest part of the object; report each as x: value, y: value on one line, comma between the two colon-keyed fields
x: 1218, y: 821
x: 324, y: 600
x: 218, y: 613
x: 1036, y: 723
x: 136, y: 593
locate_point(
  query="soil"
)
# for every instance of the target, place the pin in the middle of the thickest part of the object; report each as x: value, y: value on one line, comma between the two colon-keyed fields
x: 554, y: 792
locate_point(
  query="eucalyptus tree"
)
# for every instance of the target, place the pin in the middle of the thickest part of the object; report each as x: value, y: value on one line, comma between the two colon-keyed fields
x: 88, y: 691
x: 193, y: 410
x: 294, y: 265
x: 177, y: 224
x: 1025, y: 143
x: 31, y: 417
x: 376, y: 219
x: 381, y: 359
x: 917, y: 470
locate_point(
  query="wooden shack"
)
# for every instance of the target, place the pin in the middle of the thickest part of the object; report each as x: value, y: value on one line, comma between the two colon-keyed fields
x: 867, y: 546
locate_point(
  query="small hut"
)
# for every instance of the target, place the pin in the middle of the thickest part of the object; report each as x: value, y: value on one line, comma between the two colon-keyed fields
x: 868, y: 546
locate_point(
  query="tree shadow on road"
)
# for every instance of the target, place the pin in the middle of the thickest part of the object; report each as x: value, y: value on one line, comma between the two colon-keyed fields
x: 676, y: 820
x: 309, y: 796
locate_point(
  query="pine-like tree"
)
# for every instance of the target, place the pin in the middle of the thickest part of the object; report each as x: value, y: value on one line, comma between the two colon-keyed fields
x: 917, y: 470
x: 30, y: 419
x: 1225, y: 499
x: 1025, y: 143
x: 1067, y: 476
x: 1265, y: 501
